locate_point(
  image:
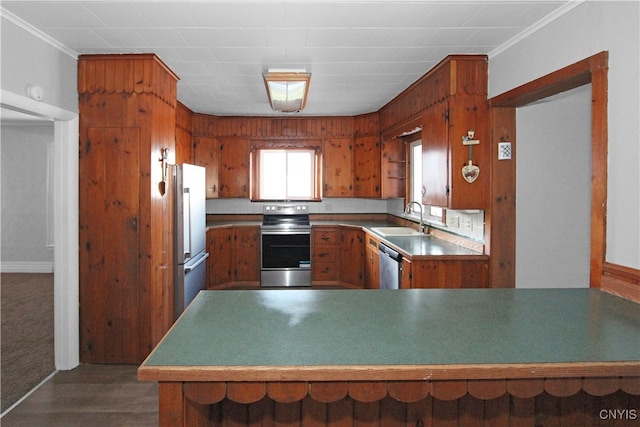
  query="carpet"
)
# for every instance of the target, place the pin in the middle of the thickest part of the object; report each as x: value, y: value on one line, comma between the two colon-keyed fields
x: 26, y: 335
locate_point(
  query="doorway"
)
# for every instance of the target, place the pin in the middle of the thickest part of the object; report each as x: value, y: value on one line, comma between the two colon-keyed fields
x: 65, y: 223
x: 553, y: 191
x: 501, y: 219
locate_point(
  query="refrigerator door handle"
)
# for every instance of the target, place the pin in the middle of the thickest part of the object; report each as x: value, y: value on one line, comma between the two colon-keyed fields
x: 186, y: 219
x: 188, y: 268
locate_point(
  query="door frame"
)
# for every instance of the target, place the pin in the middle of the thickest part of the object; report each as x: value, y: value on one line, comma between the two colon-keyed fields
x: 501, y: 212
x: 65, y: 218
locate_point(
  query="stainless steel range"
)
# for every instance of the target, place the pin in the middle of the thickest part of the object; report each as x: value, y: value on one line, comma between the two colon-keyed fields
x: 286, y: 246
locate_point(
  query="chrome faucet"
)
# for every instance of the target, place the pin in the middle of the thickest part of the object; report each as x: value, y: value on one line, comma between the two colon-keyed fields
x: 406, y: 212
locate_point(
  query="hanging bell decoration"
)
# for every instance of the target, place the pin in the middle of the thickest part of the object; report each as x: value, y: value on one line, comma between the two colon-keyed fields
x: 470, y: 172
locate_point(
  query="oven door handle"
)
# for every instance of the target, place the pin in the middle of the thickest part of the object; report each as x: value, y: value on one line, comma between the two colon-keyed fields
x: 284, y: 232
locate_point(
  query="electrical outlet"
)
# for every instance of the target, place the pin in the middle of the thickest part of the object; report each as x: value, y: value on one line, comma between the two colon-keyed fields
x: 453, y: 221
x: 504, y: 150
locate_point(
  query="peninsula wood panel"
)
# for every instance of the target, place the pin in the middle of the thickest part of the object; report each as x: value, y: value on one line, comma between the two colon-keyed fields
x: 401, y: 404
x: 119, y: 96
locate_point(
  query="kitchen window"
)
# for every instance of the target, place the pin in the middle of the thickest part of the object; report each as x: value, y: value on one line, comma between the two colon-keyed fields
x: 433, y: 214
x: 285, y: 173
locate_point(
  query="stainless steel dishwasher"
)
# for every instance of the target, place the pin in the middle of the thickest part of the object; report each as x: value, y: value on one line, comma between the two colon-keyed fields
x: 390, y: 267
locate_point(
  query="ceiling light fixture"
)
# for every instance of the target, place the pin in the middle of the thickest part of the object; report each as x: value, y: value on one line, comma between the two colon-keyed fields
x: 287, y: 91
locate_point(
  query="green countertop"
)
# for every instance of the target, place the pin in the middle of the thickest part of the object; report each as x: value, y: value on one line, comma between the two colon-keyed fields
x: 414, y: 246
x: 304, y: 327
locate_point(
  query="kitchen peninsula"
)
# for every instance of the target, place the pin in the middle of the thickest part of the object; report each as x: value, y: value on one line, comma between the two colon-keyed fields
x: 381, y: 357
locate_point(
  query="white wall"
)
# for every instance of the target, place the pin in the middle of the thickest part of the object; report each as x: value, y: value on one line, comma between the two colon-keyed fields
x: 28, y: 60
x: 553, y: 188
x: 27, y: 216
x: 589, y: 28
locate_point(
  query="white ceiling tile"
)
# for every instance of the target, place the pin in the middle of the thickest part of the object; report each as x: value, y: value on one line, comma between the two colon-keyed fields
x: 165, y: 14
x: 361, y: 53
x: 119, y: 15
x: 124, y: 38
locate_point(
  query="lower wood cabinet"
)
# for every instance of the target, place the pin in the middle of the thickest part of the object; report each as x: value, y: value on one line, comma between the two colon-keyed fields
x: 234, y: 256
x: 337, y: 256
x: 449, y: 273
x: 324, y: 247
x: 351, y: 259
x: 371, y: 262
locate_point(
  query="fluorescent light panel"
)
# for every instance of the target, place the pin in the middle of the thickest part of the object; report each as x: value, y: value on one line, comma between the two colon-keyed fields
x: 287, y: 91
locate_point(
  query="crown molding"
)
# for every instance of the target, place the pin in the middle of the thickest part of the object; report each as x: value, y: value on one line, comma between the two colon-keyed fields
x: 4, y: 13
x: 571, y: 4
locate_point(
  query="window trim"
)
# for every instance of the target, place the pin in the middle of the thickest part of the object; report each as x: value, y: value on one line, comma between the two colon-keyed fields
x: 254, y: 190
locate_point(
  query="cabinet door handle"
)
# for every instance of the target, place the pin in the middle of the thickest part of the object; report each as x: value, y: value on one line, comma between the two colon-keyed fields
x: 424, y: 190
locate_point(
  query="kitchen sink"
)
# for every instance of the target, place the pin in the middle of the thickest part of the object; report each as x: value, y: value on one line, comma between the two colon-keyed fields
x: 396, y: 231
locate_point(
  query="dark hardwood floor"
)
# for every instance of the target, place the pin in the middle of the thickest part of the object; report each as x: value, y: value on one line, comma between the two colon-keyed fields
x: 89, y: 395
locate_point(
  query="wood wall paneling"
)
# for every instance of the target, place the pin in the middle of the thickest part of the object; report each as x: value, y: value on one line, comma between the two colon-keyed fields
x: 184, y: 137
x: 126, y: 102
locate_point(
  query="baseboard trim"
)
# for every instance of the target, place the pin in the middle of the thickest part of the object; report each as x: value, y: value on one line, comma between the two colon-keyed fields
x: 26, y: 267
x: 622, y: 281
x: 9, y: 409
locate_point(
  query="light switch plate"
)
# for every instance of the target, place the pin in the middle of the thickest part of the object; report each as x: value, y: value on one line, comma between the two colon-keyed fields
x: 504, y: 150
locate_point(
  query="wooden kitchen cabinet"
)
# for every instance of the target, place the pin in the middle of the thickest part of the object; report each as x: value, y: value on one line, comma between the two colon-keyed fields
x: 337, y: 165
x: 407, y: 276
x: 234, y: 256
x: 324, y: 266
x: 227, y: 164
x: 206, y: 153
x: 449, y: 273
x: 351, y: 256
x: 444, y: 124
x: 393, y: 169
x: 371, y: 262
x: 219, y: 263
x: 233, y: 168
x: 246, y: 254
x: 366, y: 156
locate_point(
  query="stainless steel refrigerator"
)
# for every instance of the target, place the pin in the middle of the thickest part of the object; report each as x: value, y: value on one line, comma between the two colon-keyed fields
x: 190, y: 235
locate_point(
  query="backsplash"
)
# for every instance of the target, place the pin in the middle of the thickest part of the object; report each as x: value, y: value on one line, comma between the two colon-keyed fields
x: 463, y: 223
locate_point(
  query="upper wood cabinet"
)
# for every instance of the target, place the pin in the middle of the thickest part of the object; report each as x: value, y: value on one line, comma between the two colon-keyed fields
x: 435, y: 156
x: 444, y: 125
x: 206, y: 153
x: 366, y: 157
x: 227, y: 163
x: 337, y: 165
x: 233, y: 169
